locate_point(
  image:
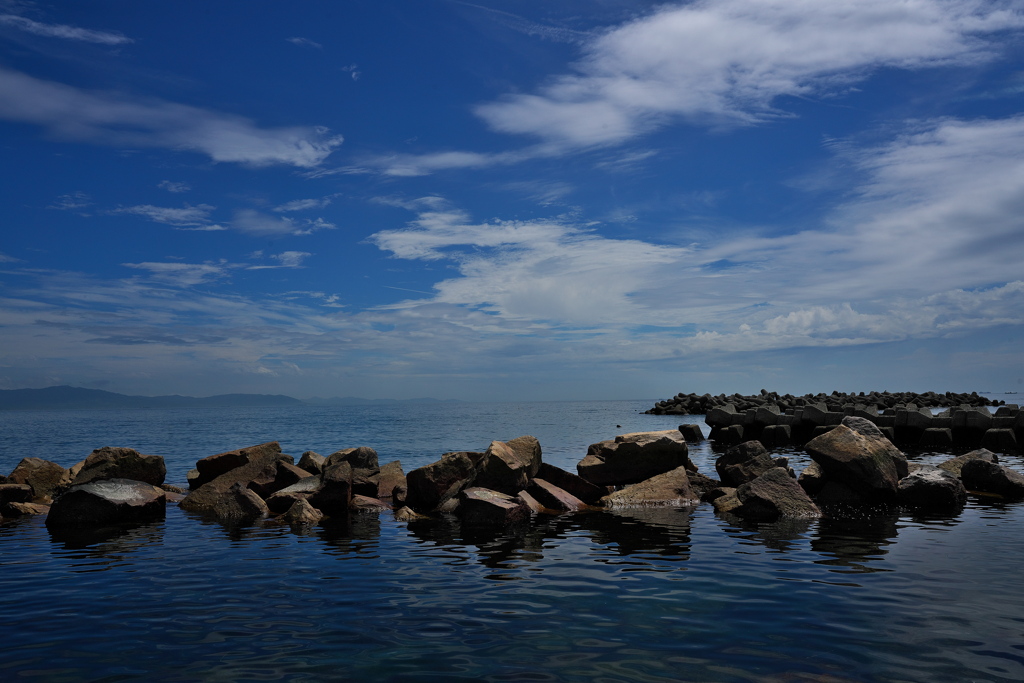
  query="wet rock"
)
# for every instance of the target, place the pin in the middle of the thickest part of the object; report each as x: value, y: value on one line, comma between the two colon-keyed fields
x: 535, y: 506
x: 14, y: 493
x: 46, y: 478
x: 431, y: 485
x: 742, y: 463
x: 1000, y: 440
x: 936, y: 438
x: 106, y: 502
x: 632, y: 458
x: 240, y: 504
x: 553, y: 497
x: 361, y: 458
x: 311, y: 461
x: 932, y: 488
x: 333, y: 495
x: 701, y: 484
x: 24, y: 510
x: 483, y: 506
x: 390, y: 477
x: 362, y: 503
x: 812, y: 479
x: 989, y: 477
x: 772, y: 495
x: 260, y: 463
x: 281, y: 501
x: 670, y: 488
x: 121, y: 463
x: 954, y: 465
x: 301, y: 512
x: 866, y: 464
x: 503, y: 470
x: 571, y: 483
x: 407, y: 514
x: 870, y: 431
x: 725, y: 499
x: 272, y: 479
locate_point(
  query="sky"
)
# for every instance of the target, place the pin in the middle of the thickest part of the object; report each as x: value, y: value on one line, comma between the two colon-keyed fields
x: 498, y: 200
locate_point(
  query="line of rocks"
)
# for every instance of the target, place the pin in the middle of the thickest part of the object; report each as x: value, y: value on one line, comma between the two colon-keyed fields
x: 702, y: 404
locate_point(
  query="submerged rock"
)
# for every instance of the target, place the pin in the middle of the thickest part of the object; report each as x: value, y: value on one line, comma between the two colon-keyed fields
x: 931, y: 488
x: 259, y: 463
x: 955, y: 465
x: 301, y: 512
x: 670, y: 488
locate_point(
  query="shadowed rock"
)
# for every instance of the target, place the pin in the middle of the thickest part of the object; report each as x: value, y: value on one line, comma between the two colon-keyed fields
x: 932, y: 488
x: 632, y: 458
x: 989, y: 477
x: 334, y: 493
x: 282, y: 475
x: 483, y: 506
x: 301, y: 512
x: 260, y: 463
x: 870, y: 431
x: 670, y: 488
x: 955, y: 465
x: 553, y: 497
x: 213, y: 466
x: 240, y: 504
x: 121, y: 463
x: 772, y: 495
x: 866, y: 464
x: 313, y: 462
x: 281, y: 501
x: 571, y: 483
x: 110, y: 501
x: 503, y: 470
x: 45, y: 478
x: 742, y: 463
x: 430, y: 486
x: 390, y: 477
x: 812, y: 479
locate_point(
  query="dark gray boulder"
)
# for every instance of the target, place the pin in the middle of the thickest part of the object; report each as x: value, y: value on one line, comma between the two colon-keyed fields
x: 931, y: 488
x: 772, y: 495
x: 121, y: 463
x: 691, y: 433
x: 333, y: 495
x: 870, y: 431
x: 954, y: 465
x: 281, y: 501
x: 743, y: 462
x: 432, y: 485
x: 107, y: 502
x: 989, y: 477
x: 867, y: 464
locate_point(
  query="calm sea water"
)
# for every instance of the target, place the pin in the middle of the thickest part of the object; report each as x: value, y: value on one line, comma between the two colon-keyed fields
x: 656, y: 595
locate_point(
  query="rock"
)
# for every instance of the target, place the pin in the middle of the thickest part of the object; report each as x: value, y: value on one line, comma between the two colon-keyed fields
x: 46, y: 478
x: 367, y: 504
x: 301, y: 512
x: 866, y: 464
x: 240, y: 504
x: 632, y: 458
x: 213, y: 466
x: 24, y: 509
x: 812, y: 479
x: 121, y: 463
x: 527, y: 449
x: 701, y: 485
x: 333, y: 495
x: 281, y: 501
x: 534, y: 505
x: 933, y: 489
x: 503, y: 470
x: 937, y: 438
x: 483, y: 506
x: 772, y: 495
x: 551, y: 496
x: 726, y: 500
x: 391, y: 477
x: 954, y: 465
x: 106, y: 502
x: 838, y: 493
x: 14, y: 493
x: 272, y: 479
x: 691, y: 433
x: 869, y: 430
x: 431, y: 485
x: 407, y: 514
x: 742, y: 463
x: 260, y: 464
x: 777, y: 435
x: 194, y: 478
x: 571, y: 483
x: 311, y: 461
x: 1000, y: 440
x: 670, y: 488
x: 361, y: 458
x: 989, y: 477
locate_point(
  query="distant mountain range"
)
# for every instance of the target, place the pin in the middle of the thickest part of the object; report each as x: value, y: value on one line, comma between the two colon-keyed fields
x: 64, y: 397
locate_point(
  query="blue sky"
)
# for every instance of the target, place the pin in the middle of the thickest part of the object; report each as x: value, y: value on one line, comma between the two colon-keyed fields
x: 512, y: 200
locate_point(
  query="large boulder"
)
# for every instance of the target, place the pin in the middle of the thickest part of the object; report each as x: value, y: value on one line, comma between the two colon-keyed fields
x: 272, y: 479
x: 280, y: 501
x: 772, y: 495
x: 931, y: 488
x: 483, y: 506
x: 553, y: 497
x: 259, y: 464
x: 743, y: 462
x: 107, y: 502
x: 209, y: 468
x: 812, y: 479
x: 955, y: 465
x: 870, y: 431
x: 365, y: 468
x: 503, y: 470
x: 390, y: 477
x: 632, y: 458
x: 670, y: 488
x: 311, y: 461
x: 301, y: 512
x: 989, y: 477
x: 866, y: 464
x: 334, y: 493
x: 430, y: 486
x: 121, y: 463
x: 240, y: 504
x: 12, y: 495
x: 527, y: 449
x: 45, y: 477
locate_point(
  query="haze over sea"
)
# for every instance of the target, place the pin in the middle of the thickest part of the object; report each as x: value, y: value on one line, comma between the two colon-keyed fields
x: 645, y: 595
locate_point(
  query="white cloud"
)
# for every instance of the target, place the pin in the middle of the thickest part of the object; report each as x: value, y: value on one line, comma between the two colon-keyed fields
x: 728, y: 61
x: 252, y: 222
x: 63, y: 31
x: 286, y: 259
x: 305, y: 42
x: 71, y: 113
x: 4, y: 258
x: 183, y: 274
x: 172, y: 186
x: 303, y: 205
x: 353, y: 71
x: 188, y: 216
x: 74, y: 201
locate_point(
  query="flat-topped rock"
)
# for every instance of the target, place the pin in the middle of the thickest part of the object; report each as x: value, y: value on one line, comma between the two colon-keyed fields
x: 106, y: 502
x: 632, y: 458
x: 121, y: 463
x: 670, y: 488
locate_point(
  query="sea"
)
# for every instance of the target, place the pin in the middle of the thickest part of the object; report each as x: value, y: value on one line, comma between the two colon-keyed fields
x: 652, y: 595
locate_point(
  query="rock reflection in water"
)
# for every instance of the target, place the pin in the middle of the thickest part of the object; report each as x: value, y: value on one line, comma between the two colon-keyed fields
x: 101, y: 548
x: 855, y: 544
x: 782, y: 535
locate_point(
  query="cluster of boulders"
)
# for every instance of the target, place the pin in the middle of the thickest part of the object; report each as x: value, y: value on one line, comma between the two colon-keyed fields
x: 854, y: 464
x: 694, y: 404
x: 112, y: 485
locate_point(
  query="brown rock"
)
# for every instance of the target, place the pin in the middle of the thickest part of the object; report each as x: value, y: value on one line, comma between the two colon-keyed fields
x: 110, y: 501
x: 240, y: 503
x: 361, y: 458
x: 632, y: 458
x: 301, y: 512
x: 431, y: 485
x: 670, y: 488
x: 527, y: 449
x: 367, y: 504
x: 870, y: 431
x: 954, y: 465
x: 282, y: 475
x: 25, y: 509
x: 743, y: 462
x: 213, y: 466
x: 550, y: 496
x: 281, y: 501
x: 333, y: 495
x: 390, y: 477
x: 484, y: 506
x: 866, y: 464
x: 534, y: 505
x: 772, y: 495
x: 932, y: 488
x: 407, y: 514
x: 812, y: 479
x: 503, y: 470
x: 45, y: 477
x: 312, y: 461
x: 121, y: 463
x: 571, y: 483
x: 261, y: 464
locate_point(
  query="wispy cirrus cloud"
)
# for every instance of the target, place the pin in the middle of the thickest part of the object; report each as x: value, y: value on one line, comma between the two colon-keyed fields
x: 305, y: 42
x: 183, y: 274
x: 303, y: 205
x: 252, y: 222
x: 64, y: 31
x: 286, y: 259
x: 187, y: 216
x: 172, y: 186
x: 72, y: 113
